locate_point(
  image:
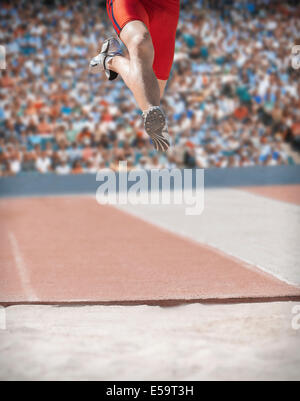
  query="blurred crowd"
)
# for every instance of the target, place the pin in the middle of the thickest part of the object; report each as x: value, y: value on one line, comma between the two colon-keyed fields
x: 232, y: 100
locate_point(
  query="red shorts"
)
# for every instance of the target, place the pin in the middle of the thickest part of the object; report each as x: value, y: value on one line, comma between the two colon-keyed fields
x: 160, y: 17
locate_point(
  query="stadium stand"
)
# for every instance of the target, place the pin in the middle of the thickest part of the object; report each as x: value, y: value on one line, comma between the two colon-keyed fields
x: 232, y: 101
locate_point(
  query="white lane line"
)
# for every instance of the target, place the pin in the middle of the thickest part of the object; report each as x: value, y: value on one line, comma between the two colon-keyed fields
x: 22, y: 269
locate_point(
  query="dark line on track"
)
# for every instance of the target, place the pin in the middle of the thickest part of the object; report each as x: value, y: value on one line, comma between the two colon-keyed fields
x: 161, y: 303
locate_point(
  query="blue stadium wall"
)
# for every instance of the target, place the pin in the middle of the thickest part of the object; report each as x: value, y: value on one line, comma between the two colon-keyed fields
x: 28, y: 184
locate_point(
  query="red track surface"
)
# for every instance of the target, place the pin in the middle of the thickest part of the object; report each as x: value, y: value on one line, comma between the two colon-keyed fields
x: 284, y: 193
x: 57, y: 250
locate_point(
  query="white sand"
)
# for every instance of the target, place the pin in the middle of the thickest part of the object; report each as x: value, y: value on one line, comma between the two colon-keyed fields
x: 191, y: 342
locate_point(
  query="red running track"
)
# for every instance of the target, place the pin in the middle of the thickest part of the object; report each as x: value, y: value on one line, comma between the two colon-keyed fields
x: 64, y: 250
x: 284, y: 193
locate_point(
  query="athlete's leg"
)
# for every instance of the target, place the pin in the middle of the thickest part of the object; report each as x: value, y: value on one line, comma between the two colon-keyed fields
x: 131, y: 22
x: 123, y: 64
x: 137, y: 71
x: 162, y: 86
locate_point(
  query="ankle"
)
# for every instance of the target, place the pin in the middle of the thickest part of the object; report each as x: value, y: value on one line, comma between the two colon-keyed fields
x: 150, y: 108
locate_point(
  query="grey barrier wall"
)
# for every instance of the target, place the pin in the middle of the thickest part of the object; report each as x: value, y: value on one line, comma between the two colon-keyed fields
x: 34, y: 184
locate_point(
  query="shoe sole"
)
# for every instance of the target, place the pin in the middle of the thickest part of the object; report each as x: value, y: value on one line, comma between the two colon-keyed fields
x: 154, y: 125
